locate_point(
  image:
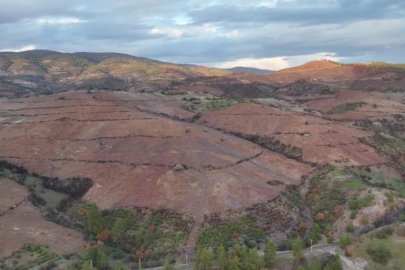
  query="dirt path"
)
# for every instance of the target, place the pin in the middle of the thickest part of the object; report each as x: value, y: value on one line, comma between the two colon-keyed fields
x: 192, y: 240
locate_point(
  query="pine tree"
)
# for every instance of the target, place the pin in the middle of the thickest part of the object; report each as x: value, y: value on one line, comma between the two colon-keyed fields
x: 297, y: 247
x: 119, y: 229
x: 87, y: 266
x: 204, y: 259
x: 222, y: 262
x: 316, y: 233
x: 95, y: 220
x: 253, y: 261
x: 234, y: 264
x: 167, y: 265
x: 270, y: 251
x: 315, y: 264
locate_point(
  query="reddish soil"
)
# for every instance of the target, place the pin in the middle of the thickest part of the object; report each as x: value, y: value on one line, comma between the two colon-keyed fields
x: 21, y: 223
x: 130, y: 154
x: 376, y: 106
x: 321, y: 141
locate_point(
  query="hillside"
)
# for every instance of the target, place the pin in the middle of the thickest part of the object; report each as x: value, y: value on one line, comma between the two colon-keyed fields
x: 49, y: 71
x: 160, y: 160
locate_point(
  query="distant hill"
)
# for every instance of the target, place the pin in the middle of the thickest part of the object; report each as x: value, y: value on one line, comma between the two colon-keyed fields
x: 47, y: 71
x: 250, y: 70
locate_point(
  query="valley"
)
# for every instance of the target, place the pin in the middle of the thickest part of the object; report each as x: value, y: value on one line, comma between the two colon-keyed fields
x: 119, y: 159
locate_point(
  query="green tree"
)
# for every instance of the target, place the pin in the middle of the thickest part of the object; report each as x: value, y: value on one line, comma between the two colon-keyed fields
x: 234, y: 264
x: 222, y: 262
x: 253, y: 261
x: 87, y: 266
x: 167, y: 265
x: 204, y: 259
x: 315, y: 264
x: 98, y: 257
x: 316, y: 233
x: 270, y: 251
x: 300, y: 267
x: 297, y: 247
x: 119, y: 229
x: 95, y: 220
x: 350, y: 227
x: 345, y: 241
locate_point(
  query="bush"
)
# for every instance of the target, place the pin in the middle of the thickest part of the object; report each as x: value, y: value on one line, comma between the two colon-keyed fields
x: 365, y: 221
x: 353, y: 215
x: 346, y: 241
x: 379, y: 253
x: 350, y: 227
x: 330, y: 239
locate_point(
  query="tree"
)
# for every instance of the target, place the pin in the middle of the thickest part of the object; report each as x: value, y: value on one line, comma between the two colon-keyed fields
x: 297, y: 247
x: 204, y: 259
x: 345, y: 241
x: 234, y: 264
x: 95, y: 220
x: 316, y: 233
x: 270, y: 251
x: 253, y: 261
x: 300, y: 267
x: 350, y: 227
x: 167, y: 265
x: 222, y: 262
x: 315, y: 264
x: 119, y: 229
x: 379, y: 253
x: 87, y: 266
x: 98, y: 257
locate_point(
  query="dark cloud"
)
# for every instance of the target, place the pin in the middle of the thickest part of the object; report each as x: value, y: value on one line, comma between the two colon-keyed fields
x: 217, y: 31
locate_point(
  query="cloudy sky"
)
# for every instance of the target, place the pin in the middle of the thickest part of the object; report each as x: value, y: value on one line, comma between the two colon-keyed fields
x: 271, y: 34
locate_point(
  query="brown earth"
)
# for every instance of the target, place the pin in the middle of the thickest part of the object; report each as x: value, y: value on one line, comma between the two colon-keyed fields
x: 130, y: 154
x: 321, y: 141
x: 21, y: 224
x: 376, y: 106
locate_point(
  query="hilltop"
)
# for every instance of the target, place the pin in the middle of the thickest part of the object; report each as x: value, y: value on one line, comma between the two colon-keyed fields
x: 42, y: 71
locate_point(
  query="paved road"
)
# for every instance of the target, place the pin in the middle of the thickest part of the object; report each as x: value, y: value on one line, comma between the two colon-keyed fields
x: 316, y: 250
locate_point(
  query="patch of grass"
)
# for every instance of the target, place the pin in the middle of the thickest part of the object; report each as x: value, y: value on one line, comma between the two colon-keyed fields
x: 353, y: 184
x: 209, y: 105
x: 43, y: 196
x: 342, y: 108
x: 394, y: 244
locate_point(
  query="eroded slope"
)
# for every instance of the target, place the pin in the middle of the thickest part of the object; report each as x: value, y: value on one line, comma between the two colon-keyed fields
x: 132, y: 155
x: 301, y: 136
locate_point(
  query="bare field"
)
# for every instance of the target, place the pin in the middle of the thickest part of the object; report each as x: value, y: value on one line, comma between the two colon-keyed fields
x: 321, y: 141
x: 21, y: 224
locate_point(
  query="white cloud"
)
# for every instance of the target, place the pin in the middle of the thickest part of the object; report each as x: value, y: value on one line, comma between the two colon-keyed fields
x: 232, y: 34
x: 274, y: 63
x: 60, y: 21
x: 277, y: 63
x: 302, y: 59
x: 25, y: 48
x: 172, y: 32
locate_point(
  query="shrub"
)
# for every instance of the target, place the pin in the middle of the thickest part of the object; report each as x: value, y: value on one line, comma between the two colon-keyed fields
x: 365, y: 221
x: 379, y: 253
x: 390, y: 196
x: 350, y: 227
x: 353, y: 215
x: 330, y: 239
x: 346, y: 241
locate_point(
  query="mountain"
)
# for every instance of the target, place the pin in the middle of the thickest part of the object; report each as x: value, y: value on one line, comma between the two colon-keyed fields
x: 134, y: 158
x: 44, y: 71
x: 250, y: 70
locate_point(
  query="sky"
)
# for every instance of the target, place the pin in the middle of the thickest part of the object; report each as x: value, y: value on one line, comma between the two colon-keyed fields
x: 267, y: 34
